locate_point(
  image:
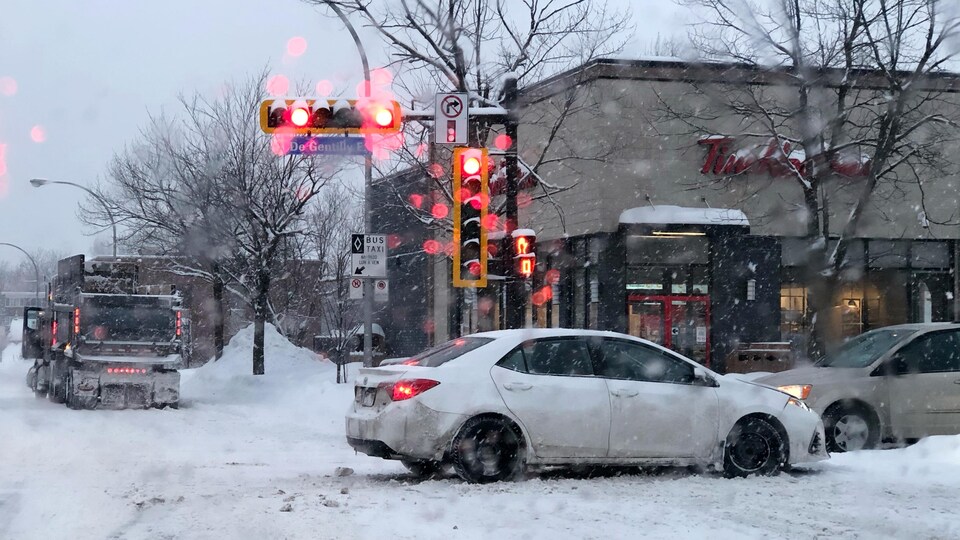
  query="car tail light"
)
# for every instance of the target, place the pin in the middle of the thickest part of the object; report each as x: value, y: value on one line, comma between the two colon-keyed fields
x: 410, y: 362
x: 409, y: 388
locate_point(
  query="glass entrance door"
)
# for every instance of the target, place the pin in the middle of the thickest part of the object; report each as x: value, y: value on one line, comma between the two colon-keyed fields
x: 680, y: 323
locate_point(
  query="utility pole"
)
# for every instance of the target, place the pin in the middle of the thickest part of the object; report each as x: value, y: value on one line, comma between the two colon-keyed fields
x: 514, y: 296
x: 367, y: 189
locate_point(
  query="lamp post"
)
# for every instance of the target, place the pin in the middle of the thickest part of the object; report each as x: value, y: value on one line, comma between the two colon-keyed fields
x: 367, y: 180
x: 36, y: 269
x: 37, y: 182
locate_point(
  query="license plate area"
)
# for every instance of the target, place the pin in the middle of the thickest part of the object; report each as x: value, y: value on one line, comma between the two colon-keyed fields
x: 366, y: 397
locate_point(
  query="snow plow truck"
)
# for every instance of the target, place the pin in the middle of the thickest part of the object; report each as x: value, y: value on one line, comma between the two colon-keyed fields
x: 103, y: 340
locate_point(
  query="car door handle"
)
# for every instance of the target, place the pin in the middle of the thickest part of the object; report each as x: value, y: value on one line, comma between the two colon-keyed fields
x: 620, y: 392
x: 517, y: 386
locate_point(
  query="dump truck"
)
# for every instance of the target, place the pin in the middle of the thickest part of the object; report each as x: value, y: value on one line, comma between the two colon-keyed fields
x: 103, y: 340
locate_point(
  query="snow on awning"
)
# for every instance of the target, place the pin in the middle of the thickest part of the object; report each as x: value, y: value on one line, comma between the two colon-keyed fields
x: 679, y: 215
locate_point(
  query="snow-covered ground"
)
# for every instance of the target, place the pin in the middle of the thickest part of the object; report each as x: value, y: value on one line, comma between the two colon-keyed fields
x: 241, y: 450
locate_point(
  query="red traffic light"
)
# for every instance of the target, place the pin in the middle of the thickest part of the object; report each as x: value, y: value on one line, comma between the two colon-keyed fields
x: 299, y: 116
x: 471, y: 165
x: 383, y: 117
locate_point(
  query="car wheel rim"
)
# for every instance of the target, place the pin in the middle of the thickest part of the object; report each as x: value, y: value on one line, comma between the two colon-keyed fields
x: 751, y: 452
x: 851, y: 432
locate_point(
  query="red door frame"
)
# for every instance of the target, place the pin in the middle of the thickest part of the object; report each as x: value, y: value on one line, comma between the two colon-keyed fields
x: 668, y: 315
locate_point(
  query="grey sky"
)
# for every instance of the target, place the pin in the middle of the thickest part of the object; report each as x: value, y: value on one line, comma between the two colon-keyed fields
x: 89, y: 73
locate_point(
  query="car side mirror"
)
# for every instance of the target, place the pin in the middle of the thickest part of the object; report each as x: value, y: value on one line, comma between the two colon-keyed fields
x: 702, y: 378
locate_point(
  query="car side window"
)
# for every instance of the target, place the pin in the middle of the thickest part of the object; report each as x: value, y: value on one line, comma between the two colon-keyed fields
x: 557, y: 356
x: 635, y: 362
x: 936, y: 352
x: 514, y: 360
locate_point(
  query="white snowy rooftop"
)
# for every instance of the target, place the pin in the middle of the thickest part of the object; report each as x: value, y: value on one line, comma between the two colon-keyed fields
x: 680, y: 215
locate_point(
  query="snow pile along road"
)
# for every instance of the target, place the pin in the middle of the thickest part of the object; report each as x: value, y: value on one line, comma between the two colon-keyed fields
x: 265, y: 457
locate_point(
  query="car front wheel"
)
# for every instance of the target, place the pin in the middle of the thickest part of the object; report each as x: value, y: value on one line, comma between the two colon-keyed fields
x: 488, y: 449
x: 850, y: 428
x: 754, y: 447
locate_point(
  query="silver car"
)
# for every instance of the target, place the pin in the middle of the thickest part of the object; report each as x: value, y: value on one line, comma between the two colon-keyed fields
x: 899, y: 382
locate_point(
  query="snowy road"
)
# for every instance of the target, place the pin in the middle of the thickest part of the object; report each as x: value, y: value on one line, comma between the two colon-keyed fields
x: 240, y: 450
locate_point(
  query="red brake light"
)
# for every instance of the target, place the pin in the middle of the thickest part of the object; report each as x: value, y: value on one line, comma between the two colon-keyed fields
x: 179, y: 323
x: 76, y: 321
x: 409, y: 388
x: 410, y: 362
x: 53, y: 330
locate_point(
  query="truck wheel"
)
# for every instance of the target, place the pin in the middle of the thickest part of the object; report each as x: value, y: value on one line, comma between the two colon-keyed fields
x: 70, y: 398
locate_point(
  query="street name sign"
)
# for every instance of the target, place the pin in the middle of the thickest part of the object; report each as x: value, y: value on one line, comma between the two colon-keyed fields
x: 451, y: 118
x: 336, y: 146
x: 368, y: 255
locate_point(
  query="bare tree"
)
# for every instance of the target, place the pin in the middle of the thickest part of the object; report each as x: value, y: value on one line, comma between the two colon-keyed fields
x: 827, y: 88
x: 218, y: 196
x: 472, y: 46
x: 331, y: 223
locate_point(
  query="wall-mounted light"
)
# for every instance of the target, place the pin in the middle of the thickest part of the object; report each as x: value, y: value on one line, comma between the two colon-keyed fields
x: 751, y: 289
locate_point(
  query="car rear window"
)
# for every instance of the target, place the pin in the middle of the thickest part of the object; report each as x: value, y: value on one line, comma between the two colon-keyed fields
x: 441, y: 354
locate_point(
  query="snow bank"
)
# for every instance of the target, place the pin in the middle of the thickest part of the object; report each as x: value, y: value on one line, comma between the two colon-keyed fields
x: 291, y: 373
x: 933, y: 459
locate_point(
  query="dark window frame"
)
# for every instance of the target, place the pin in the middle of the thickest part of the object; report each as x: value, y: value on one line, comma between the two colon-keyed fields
x: 526, y: 365
x: 598, y: 361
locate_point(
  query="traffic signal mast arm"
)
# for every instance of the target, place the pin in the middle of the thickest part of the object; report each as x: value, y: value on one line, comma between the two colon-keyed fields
x: 497, y: 114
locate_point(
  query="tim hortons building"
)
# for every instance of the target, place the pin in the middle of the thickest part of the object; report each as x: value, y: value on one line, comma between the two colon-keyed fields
x: 680, y: 236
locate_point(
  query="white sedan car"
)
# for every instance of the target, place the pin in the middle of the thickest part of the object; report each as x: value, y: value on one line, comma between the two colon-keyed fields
x: 494, y: 403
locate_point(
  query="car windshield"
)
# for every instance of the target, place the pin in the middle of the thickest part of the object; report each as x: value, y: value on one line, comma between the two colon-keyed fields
x: 441, y: 354
x: 864, y: 349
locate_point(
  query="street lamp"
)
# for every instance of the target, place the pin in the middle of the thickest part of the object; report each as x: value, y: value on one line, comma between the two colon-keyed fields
x: 36, y: 268
x: 37, y: 182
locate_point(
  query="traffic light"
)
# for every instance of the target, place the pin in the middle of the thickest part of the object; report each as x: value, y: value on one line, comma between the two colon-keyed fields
x: 315, y: 116
x: 524, y: 249
x: 471, y: 199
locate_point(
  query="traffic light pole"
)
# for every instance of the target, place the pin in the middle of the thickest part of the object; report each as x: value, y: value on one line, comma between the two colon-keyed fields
x: 514, y: 298
x: 367, y: 300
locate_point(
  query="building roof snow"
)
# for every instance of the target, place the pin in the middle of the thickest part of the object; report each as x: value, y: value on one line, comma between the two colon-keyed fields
x: 679, y: 215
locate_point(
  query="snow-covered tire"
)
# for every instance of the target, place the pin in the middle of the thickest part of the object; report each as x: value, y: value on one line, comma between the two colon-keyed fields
x: 488, y: 449
x: 69, y: 397
x: 754, y: 447
x: 850, y: 427
x: 423, y: 468
x: 56, y: 392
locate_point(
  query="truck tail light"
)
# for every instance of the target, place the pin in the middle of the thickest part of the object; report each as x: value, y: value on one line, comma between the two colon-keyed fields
x: 127, y: 370
x: 53, y: 330
x: 76, y: 321
x: 409, y: 388
x: 179, y: 323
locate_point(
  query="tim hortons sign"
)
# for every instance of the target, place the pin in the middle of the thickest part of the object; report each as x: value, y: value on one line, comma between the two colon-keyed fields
x: 724, y: 158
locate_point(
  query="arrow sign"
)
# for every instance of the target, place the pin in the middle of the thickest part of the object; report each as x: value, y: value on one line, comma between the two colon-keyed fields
x: 358, y: 271
x: 451, y: 118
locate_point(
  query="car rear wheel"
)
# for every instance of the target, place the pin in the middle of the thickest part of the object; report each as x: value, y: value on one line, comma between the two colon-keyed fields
x: 422, y: 468
x: 488, y: 449
x: 754, y: 447
x: 850, y: 427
